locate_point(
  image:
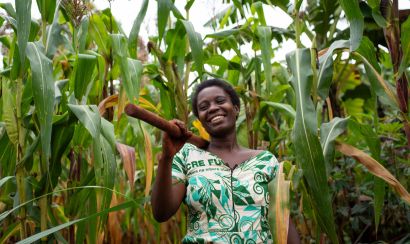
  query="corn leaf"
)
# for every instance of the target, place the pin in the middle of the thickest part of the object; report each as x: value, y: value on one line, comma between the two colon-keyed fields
x: 282, y: 107
x: 107, y: 131
x: 372, y: 71
x: 279, y: 207
x: 108, y: 102
x: 133, y: 37
x: 356, y: 21
x: 5, y: 179
x: 163, y: 9
x: 54, y: 30
x: 23, y: 18
x: 257, y: 7
x: 135, y: 69
x: 49, y: 231
x: 307, y: 147
x: 149, y: 168
x: 264, y: 35
x: 9, y: 114
x: 325, y: 73
x: 108, y: 173
x: 60, y: 139
x: 375, y: 168
x: 7, y: 155
x: 328, y: 134
x: 43, y: 93
x: 131, y: 69
x: 82, y: 34
x: 196, y: 44
x: 88, y: 115
x: 8, y: 7
x: 83, y: 74
x: 127, y: 154
x: 99, y: 34
x: 47, y: 9
x: 368, y: 51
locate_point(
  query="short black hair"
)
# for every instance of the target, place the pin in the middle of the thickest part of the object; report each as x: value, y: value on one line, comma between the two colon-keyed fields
x: 214, y: 82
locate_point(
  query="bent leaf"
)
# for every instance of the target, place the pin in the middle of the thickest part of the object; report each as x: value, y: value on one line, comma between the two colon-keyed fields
x: 108, y: 102
x: 325, y: 73
x: 356, y: 20
x: 375, y: 168
x: 286, y: 108
x: 328, y: 134
x: 387, y: 87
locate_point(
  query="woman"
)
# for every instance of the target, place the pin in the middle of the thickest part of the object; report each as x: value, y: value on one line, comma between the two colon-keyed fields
x: 223, y: 185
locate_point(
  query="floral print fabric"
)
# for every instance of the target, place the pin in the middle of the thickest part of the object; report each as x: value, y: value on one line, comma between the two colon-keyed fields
x: 225, y: 205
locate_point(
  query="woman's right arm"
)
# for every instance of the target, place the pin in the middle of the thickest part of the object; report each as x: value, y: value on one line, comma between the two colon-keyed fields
x: 167, y: 196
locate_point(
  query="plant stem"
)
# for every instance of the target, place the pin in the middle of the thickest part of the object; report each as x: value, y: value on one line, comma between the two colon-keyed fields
x: 297, y: 25
x: 20, y: 170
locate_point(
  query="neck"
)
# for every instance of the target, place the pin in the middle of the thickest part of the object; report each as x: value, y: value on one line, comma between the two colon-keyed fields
x: 226, y: 143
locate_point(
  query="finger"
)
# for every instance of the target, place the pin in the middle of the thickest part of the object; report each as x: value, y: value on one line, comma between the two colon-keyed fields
x: 188, y: 134
x: 182, y: 126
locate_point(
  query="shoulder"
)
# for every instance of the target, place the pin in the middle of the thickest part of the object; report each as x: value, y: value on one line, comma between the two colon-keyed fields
x: 253, y: 152
x: 264, y: 154
x: 189, y: 150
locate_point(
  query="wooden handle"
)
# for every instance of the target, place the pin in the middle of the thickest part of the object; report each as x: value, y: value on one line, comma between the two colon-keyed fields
x: 162, y: 124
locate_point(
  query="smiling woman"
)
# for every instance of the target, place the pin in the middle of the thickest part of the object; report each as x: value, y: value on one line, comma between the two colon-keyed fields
x: 224, y: 185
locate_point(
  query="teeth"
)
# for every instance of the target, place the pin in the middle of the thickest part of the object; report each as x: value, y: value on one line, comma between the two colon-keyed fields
x: 217, y: 118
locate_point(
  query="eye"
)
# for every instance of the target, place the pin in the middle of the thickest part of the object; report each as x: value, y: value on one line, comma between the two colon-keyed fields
x: 203, y: 106
x: 220, y: 100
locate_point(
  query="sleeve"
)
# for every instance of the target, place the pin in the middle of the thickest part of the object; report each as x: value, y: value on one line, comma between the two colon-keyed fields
x: 178, y: 165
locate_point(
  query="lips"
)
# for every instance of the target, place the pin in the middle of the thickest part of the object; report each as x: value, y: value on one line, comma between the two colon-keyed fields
x: 216, y: 118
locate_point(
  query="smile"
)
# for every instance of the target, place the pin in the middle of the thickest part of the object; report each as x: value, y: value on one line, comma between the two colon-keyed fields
x: 217, y: 119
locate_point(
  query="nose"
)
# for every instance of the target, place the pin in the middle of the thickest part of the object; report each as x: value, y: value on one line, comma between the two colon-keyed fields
x: 213, y: 107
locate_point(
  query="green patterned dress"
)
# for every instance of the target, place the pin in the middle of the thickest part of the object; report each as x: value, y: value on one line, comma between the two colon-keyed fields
x: 225, y: 205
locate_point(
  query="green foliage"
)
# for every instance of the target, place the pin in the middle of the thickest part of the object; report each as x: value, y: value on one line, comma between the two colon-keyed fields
x: 67, y: 77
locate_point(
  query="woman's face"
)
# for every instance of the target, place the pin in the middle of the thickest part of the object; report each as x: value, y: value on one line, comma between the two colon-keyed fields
x: 216, y: 111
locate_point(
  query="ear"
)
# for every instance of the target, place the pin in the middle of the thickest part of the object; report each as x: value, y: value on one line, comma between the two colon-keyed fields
x: 236, y: 108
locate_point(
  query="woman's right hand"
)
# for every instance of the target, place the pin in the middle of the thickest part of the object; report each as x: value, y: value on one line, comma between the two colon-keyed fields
x: 171, y: 145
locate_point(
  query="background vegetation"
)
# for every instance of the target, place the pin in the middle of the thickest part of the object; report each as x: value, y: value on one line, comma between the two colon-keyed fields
x: 75, y: 168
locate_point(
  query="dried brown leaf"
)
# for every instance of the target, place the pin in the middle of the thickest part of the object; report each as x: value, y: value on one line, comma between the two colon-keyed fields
x: 149, y: 161
x: 282, y: 207
x: 127, y: 154
x: 375, y: 168
x: 108, y: 102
